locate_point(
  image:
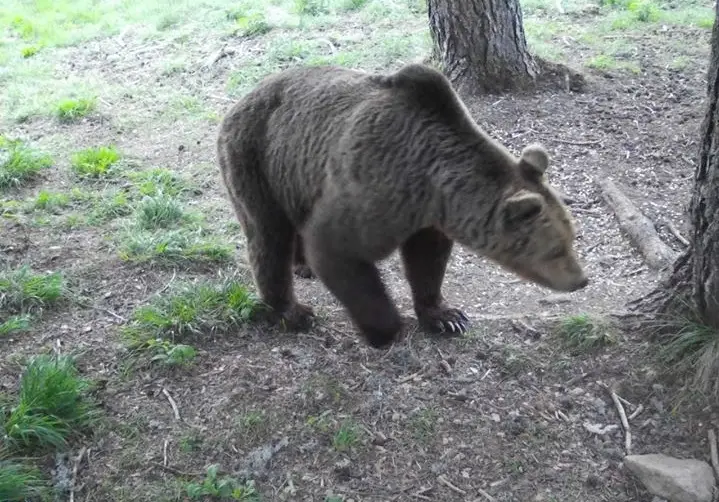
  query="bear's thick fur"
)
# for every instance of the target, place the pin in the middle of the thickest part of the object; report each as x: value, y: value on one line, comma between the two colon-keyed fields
x: 343, y: 167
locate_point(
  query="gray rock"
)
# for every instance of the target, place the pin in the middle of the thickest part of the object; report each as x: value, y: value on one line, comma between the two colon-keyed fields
x: 677, y: 480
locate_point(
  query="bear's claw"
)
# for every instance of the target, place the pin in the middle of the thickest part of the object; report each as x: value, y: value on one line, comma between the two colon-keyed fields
x: 445, y: 320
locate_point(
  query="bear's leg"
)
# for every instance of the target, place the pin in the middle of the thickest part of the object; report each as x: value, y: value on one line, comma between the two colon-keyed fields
x: 424, y: 256
x: 270, y: 246
x: 301, y: 268
x: 358, y: 286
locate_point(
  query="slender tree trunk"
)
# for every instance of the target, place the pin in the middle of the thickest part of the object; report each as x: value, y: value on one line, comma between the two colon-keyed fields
x: 482, y: 47
x: 696, y: 273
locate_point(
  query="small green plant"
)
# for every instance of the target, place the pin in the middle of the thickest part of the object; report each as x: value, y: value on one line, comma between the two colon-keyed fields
x: 19, y: 163
x: 68, y: 110
x: 190, y: 443
x: 643, y: 10
x: 312, y: 7
x: 171, y: 354
x: 334, y: 498
x: 351, y: 5
x: 94, y: 162
x: 222, y: 488
x: 424, y: 424
x: 157, y: 180
x: 22, y: 290
x: 51, y: 406
x: 29, y: 51
x: 19, y: 483
x: 172, y: 247
x: 253, y: 24
x: 346, y: 436
x: 159, y: 211
x: 111, y: 204
x: 51, y: 202
x: 585, y: 332
x: 14, y: 324
x: 194, y: 309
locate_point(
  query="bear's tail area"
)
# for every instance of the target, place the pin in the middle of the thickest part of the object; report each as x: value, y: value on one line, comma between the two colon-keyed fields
x: 429, y: 88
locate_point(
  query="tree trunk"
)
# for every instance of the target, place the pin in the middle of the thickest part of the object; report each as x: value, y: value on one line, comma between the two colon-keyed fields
x: 696, y: 273
x: 482, y: 47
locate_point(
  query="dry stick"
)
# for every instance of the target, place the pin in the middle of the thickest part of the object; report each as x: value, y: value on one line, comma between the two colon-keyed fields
x: 75, y: 468
x: 638, y: 227
x: 485, y: 495
x: 625, y: 422
x: 636, y: 412
x: 175, y: 410
x: 713, y: 451
x: 675, y: 232
x: 446, y: 482
x: 164, y: 453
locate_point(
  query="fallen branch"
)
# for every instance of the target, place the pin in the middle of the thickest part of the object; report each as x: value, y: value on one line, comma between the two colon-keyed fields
x: 625, y: 422
x: 446, y: 482
x: 175, y: 409
x: 75, y: 467
x: 486, y: 495
x: 675, y: 232
x: 638, y: 227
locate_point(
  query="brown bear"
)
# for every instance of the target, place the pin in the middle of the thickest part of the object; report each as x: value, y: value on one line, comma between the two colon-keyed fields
x: 342, y: 167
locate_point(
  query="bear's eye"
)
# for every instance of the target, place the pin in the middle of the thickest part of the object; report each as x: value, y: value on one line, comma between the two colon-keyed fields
x: 557, y: 253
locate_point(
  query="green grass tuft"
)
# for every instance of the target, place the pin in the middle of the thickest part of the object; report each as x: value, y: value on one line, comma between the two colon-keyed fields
x: 157, y: 180
x: 172, y: 247
x: 22, y: 290
x: 19, y: 163
x: 20, y: 483
x: 346, y: 437
x: 94, y: 162
x: 14, y: 324
x: 51, y: 202
x: 195, y: 309
x: 29, y: 51
x: 585, y: 333
x: 159, y: 211
x: 68, y: 110
x: 51, y: 407
x: 222, y: 487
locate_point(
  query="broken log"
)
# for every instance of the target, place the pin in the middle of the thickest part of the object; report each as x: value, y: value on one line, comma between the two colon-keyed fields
x: 638, y: 227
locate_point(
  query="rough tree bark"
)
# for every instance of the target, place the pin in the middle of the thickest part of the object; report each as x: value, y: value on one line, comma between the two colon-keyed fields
x: 695, y: 274
x: 482, y: 48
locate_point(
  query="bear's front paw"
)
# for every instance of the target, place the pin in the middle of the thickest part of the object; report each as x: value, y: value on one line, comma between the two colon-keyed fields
x: 304, y: 271
x: 443, y: 319
x: 298, y: 317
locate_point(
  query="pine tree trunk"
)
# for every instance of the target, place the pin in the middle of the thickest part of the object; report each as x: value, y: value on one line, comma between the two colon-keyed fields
x: 705, y: 201
x: 696, y: 273
x: 482, y: 48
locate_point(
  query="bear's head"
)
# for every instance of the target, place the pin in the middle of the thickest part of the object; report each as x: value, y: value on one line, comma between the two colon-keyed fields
x: 536, y: 232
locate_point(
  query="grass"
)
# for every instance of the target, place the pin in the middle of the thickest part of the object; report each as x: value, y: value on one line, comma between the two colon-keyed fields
x: 14, y: 324
x: 19, y: 163
x: 71, y: 109
x: 221, y: 488
x: 20, y: 482
x: 199, y: 309
x: 94, y: 162
x: 346, y: 437
x: 160, y: 211
x: 23, y: 290
x: 173, y: 247
x: 51, y: 202
x: 51, y: 406
x: 585, y: 332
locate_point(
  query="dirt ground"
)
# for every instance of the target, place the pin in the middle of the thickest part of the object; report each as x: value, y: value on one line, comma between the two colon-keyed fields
x: 499, y: 414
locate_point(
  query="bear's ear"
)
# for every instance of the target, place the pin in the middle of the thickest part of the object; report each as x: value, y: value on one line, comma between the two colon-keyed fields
x: 534, y: 161
x: 521, y: 208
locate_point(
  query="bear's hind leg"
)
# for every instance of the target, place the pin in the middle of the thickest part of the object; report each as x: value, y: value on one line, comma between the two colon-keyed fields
x: 270, y: 247
x: 358, y: 286
x: 424, y: 256
x: 301, y: 268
